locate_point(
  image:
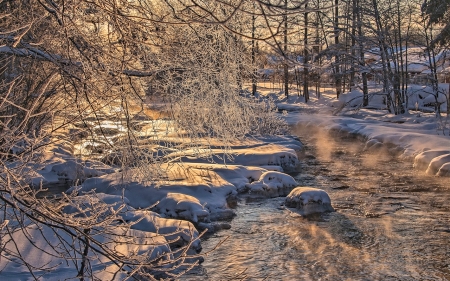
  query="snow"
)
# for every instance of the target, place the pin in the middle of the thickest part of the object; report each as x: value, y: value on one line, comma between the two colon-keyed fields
x: 276, y: 151
x: 308, y: 200
x: 201, y: 185
x: 48, y: 244
x: 272, y: 184
x: 435, y: 165
x: 177, y: 205
x: 417, y: 135
x: 423, y: 159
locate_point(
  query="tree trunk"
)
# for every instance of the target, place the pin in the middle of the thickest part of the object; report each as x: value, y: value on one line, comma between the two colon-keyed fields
x: 286, y: 70
x: 255, y: 70
x: 338, y: 78
x: 361, y: 56
x: 305, y: 60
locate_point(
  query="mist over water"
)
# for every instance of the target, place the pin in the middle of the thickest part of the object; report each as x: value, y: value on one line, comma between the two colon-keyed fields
x: 391, y: 223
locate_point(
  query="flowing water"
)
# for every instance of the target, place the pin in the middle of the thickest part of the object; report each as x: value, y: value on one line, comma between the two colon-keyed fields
x: 391, y: 223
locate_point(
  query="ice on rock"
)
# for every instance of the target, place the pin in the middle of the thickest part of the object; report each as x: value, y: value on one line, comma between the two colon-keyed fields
x: 177, y: 205
x: 437, y: 163
x: 272, y: 184
x: 308, y: 200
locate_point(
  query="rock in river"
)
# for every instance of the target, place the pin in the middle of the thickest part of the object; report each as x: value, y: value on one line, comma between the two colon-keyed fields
x: 309, y: 200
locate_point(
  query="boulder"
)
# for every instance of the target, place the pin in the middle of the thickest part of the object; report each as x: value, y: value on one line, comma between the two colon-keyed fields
x: 182, y: 206
x: 272, y: 184
x: 437, y: 163
x: 308, y: 200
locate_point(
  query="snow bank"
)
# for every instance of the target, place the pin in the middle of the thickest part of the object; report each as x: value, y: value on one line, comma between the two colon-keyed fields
x: 49, y: 261
x: 308, y: 200
x: 180, y: 232
x: 192, y: 191
x: 262, y: 151
x: 423, y: 160
x: 142, y: 220
x: 202, y: 188
x: 414, y: 137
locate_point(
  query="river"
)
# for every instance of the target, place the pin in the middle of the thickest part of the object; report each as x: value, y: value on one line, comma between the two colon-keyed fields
x: 391, y: 223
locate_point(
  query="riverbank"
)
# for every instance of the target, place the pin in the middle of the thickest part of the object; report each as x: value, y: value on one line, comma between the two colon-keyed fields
x: 165, y: 206
x: 417, y: 136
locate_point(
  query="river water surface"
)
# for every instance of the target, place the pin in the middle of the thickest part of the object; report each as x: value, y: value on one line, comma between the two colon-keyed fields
x: 391, y: 223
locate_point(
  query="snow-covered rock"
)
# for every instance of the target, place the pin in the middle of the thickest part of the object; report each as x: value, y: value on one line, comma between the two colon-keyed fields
x: 171, y: 229
x: 444, y: 171
x: 373, y: 145
x: 423, y: 160
x: 182, y: 231
x: 71, y: 170
x: 437, y: 163
x: 272, y: 184
x: 308, y: 200
x: 177, y: 205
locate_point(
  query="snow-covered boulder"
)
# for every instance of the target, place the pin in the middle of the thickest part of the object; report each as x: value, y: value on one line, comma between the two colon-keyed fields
x: 444, y: 171
x: 272, y: 184
x: 103, y: 203
x: 71, y: 170
x: 373, y: 145
x: 423, y: 160
x: 309, y: 200
x: 437, y: 163
x: 177, y: 205
x: 171, y: 229
x: 181, y: 231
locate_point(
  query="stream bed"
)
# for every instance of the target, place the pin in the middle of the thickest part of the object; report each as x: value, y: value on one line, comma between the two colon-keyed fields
x: 391, y: 223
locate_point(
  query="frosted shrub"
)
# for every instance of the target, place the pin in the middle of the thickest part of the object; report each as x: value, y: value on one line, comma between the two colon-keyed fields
x: 205, y: 96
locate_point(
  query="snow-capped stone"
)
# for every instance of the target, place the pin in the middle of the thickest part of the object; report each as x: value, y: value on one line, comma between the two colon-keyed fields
x: 309, y: 200
x: 437, y: 163
x: 444, y: 171
x: 72, y: 170
x: 272, y: 184
x: 177, y: 205
x: 422, y: 160
x: 171, y: 229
